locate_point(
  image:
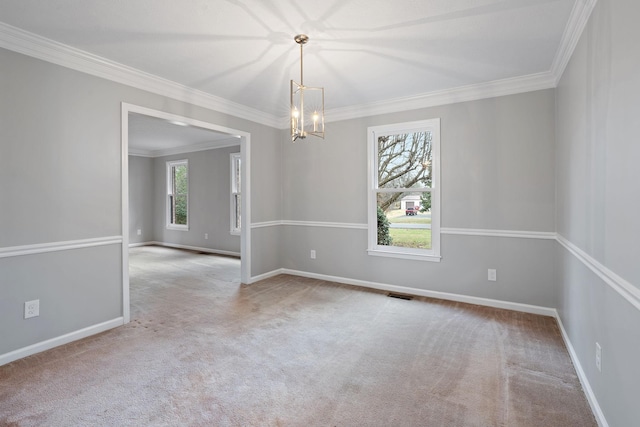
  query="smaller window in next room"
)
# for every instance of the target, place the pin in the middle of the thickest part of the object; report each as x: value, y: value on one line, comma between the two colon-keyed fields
x: 178, y: 195
x: 236, y: 207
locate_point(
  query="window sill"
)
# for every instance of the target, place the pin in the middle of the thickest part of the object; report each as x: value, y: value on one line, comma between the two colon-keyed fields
x: 404, y: 255
x: 235, y: 232
x: 178, y: 227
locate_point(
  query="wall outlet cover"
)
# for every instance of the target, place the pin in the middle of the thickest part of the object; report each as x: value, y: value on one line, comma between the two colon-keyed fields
x: 32, y: 308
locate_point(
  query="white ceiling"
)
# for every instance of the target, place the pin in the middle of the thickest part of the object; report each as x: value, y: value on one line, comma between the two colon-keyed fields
x: 361, y: 51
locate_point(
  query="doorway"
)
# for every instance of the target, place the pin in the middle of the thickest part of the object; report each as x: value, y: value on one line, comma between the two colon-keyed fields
x: 218, y: 133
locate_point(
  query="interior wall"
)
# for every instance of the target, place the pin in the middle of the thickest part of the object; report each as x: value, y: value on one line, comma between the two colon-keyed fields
x: 598, y: 197
x: 141, y: 194
x: 209, y: 201
x: 497, y: 163
x: 60, y: 166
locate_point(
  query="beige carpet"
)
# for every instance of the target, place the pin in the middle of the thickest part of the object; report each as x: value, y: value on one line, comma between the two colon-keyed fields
x: 204, y: 350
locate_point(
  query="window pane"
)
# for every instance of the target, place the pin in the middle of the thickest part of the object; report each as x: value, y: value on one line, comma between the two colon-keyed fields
x: 237, y: 183
x: 404, y: 160
x: 404, y: 219
x: 180, y: 209
x: 238, y: 210
x: 180, y: 179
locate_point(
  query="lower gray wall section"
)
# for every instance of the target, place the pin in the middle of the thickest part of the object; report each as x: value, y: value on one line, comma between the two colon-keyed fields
x: 524, y: 266
x: 265, y: 250
x: 76, y: 288
x: 592, y: 311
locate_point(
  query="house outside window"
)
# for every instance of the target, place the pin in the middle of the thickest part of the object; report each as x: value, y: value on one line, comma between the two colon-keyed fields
x: 178, y: 195
x: 404, y: 190
x: 236, y: 196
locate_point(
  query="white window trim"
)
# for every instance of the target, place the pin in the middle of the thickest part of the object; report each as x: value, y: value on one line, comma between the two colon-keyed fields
x: 170, y: 165
x: 236, y: 231
x: 433, y: 254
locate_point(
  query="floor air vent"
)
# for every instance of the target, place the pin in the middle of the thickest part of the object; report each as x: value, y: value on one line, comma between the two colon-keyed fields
x: 400, y: 296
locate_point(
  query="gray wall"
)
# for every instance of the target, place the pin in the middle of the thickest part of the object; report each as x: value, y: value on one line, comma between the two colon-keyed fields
x: 141, y: 194
x: 497, y: 158
x: 209, y: 201
x: 598, y: 200
x: 60, y: 166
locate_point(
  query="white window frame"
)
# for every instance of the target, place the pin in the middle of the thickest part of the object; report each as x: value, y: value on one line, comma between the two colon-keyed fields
x: 373, y: 133
x: 170, y: 165
x: 236, y: 194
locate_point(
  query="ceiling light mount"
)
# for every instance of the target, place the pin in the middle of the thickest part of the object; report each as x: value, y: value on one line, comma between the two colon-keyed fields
x: 307, y: 103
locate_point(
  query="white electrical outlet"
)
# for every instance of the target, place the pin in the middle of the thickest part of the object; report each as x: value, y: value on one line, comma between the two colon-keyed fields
x: 139, y: 232
x: 32, y: 308
x: 313, y: 254
x: 206, y: 236
x: 598, y: 357
x: 491, y: 275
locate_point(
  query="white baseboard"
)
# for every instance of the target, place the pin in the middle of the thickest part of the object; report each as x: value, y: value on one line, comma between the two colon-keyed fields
x: 136, y: 245
x: 526, y: 308
x: 588, y: 391
x: 191, y: 248
x: 266, y: 275
x: 58, y: 341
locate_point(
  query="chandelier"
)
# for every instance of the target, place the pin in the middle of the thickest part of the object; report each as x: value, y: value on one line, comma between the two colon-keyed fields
x: 307, y: 104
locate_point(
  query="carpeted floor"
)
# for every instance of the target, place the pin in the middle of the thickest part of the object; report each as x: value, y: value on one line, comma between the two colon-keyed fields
x: 202, y: 349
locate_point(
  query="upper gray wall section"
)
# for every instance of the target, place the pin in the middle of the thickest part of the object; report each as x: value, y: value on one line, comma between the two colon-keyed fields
x: 598, y: 150
x: 497, y: 162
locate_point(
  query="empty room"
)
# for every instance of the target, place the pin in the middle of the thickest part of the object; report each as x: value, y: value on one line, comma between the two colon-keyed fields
x: 376, y: 213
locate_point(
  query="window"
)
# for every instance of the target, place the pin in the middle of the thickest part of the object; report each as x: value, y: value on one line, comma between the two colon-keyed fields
x: 236, y: 199
x: 404, y: 190
x: 178, y: 195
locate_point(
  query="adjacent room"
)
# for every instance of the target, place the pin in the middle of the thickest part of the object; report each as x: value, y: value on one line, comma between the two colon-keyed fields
x: 289, y: 213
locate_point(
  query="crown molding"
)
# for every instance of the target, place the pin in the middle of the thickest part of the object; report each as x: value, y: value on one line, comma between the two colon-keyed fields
x: 204, y: 146
x: 18, y: 40
x: 573, y: 31
x: 510, y: 86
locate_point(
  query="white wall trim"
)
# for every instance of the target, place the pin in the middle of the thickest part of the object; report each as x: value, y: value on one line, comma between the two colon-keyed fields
x: 617, y: 283
x: 136, y: 245
x: 525, y: 308
x: 444, y: 230
x: 40, y: 248
x: 266, y: 224
x: 588, y: 391
x: 36, y: 46
x: 499, y: 233
x: 267, y: 275
x: 326, y: 224
x: 193, y: 248
x: 573, y: 31
x: 204, y: 146
x: 503, y: 87
x: 58, y: 341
